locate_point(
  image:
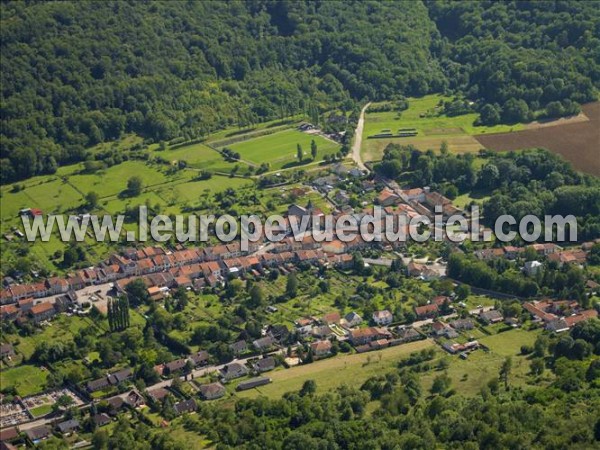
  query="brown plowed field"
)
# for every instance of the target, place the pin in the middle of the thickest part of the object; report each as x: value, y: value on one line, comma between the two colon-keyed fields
x: 577, y: 142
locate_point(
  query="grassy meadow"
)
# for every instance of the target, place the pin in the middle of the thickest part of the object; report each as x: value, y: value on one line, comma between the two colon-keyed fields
x: 332, y: 372
x: 432, y: 129
x: 279, y: 149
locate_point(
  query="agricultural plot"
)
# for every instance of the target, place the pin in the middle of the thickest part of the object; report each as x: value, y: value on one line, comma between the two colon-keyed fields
x: 198, y: 156
x: 235, y: 132
x: 508, y: 343
x: 50, y: 194
x: 578, y: 141
x: 333, y: 372
x: 431, y: 128
x: 65, y: 192
x: 279, y: 149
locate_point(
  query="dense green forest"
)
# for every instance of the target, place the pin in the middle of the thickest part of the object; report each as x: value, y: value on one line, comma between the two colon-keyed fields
x: 75, y: 74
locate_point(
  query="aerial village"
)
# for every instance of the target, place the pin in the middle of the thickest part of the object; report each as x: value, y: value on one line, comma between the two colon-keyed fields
x: 165, y: 271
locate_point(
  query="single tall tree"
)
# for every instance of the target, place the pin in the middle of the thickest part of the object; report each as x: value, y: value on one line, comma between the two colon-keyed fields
x: 291, y: 287
x: 299, y: 153
x: 505, y: 370
x: 313, y: 149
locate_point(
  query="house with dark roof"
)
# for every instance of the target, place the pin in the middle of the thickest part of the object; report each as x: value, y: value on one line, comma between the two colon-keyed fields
x: 6, y: 350
x: 264, y: 364
x: 239, y: 347
x: 115, y: 404
x: 199, y: 358
x: 97, y: 385
x: 68, y: 426
x: 279, y: 331
x: 39, y: 433
x: 352, y: 319
x: 264, y: 343
x: 158, y: 394
x: 492, y: 316
x: 120, y: 376
x: 174, y: 366
x: 557, y: 326
x: 462, y: 324
x: 212, y: 391
x: 185, y: 406
x: 233, y: 370
x: 252, y: 383
x: 101, y: 419
x: 409, y: 335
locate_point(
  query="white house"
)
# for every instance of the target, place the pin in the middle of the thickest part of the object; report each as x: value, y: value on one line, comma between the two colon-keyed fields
x: 383, y: 317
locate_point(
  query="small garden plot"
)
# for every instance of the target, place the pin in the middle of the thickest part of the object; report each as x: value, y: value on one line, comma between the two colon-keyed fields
x: 27, y: 379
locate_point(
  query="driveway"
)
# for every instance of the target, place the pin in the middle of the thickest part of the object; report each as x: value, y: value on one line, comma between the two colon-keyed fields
x: 358, y: 140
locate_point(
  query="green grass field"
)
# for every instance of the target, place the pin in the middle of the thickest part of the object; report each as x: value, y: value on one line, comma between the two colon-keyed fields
x: 113, y: 180
x: 41, y: 410
x: 509, y: 343
x: 64, y: 193
x: 456, y: 131
x: 235, y: 132
x: 198, y: 156
x: 27, y: 379
x: 470, y: 375
x: 332, y: 372
x: 279, y: 149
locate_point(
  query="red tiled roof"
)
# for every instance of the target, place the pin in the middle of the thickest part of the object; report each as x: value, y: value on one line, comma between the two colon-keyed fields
x: 41, y: 308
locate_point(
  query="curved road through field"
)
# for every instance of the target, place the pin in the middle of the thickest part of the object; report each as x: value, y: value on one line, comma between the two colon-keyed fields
x: 358, y: 140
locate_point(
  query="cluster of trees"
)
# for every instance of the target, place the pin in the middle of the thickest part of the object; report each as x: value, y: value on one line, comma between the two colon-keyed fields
x: 501, y: 275
x: 527, y: 182
x: 118, y: 314
x: 482, y: 275
x: 407, y: 417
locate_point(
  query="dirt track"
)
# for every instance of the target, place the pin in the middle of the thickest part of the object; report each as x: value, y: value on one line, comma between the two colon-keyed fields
x: 577, y: 142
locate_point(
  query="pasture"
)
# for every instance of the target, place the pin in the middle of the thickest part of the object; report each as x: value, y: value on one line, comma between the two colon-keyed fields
x: 432, y: 128
x: 342, y: 369
x: 279, y: 149
x: 65, y: 191
x: 198, y: 156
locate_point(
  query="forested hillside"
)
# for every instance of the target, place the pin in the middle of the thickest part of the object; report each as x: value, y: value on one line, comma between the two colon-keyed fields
x: 518, y: 58
x: 75, y: 74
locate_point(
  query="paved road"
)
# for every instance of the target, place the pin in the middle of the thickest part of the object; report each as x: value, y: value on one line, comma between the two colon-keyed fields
x: 358, y: 140
x: 379, y: 261
x: 198, y: 373
x: 422, y: 323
